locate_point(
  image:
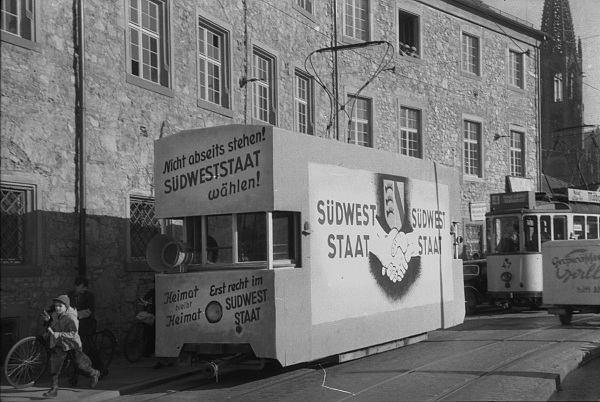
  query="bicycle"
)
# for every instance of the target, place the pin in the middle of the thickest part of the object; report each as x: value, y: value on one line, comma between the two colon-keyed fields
x: 136, y: 339
x: 29, y: 358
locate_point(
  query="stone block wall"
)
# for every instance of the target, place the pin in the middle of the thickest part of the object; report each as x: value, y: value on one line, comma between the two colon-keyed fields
x: 39, y: 136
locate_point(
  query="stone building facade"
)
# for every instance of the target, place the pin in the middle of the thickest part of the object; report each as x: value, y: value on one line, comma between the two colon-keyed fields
x: 452, y: 81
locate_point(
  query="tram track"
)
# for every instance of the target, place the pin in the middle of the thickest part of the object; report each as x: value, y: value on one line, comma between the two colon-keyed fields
x: 244, y: 385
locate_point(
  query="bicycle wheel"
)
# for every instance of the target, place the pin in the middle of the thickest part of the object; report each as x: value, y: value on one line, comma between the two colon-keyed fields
x: 104, y: 343
x: 135, y: 342
x: 25, y: 362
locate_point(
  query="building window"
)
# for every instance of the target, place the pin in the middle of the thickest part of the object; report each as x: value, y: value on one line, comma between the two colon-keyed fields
x: 148, y: 41
x: 470, y: 54
x: 515, y: 69
x: 264, y: 87
x: 558, y: 87
x: 304, y: 103
x: 213, y: 63
x: 143, y: 226
x: 472, y: 148
x: 18, y: 233
x: 357, y: 19
x: 18, y: 23
x: 517, y: 153
x: 408, y: 34
x: 410, y: 132
x: 306, y: 5
x: 360, y: 121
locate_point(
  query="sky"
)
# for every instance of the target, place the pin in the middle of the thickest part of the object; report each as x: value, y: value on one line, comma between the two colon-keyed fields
x: 586, y: 16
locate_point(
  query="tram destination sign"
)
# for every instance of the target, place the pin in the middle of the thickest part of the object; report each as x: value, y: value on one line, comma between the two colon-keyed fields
x: 583, y: 195
x: 517, y: 200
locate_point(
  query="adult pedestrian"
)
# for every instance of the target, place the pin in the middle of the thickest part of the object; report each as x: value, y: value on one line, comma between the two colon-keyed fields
x: 84, y: 302
x: 64, y: 340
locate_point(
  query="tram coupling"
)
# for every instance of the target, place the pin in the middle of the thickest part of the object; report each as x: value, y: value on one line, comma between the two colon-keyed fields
x: 242, y: 361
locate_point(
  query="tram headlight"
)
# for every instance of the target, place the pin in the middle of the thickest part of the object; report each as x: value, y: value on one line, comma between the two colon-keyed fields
x: 214, y: 312
x: 506, y: 276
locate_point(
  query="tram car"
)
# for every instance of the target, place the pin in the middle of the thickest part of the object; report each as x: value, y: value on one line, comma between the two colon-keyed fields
x: 518, y: 224
x: 571, y: 277
x: 289, y: 247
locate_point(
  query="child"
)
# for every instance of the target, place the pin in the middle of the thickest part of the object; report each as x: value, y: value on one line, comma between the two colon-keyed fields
x: 65, y: 340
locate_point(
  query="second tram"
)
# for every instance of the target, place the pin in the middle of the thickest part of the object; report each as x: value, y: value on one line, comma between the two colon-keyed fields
x: 517, y: 226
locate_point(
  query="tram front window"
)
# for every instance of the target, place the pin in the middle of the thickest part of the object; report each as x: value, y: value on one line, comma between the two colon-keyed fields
x: 560, y: 227
x: 592, y: 227
x: 530, y: 231
x: 506, y: 234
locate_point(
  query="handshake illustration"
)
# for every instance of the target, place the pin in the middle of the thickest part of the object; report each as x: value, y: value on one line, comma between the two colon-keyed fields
x: 394, y: 251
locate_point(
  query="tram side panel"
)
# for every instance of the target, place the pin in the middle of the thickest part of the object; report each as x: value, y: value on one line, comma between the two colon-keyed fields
x: 379, y: 253
x: 572, y: 272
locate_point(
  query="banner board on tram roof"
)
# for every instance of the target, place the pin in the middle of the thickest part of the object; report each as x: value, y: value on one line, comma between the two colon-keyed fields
x: 518, y: 200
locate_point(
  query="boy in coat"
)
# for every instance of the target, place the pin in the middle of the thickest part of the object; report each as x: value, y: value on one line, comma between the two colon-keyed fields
x: 64, y: 340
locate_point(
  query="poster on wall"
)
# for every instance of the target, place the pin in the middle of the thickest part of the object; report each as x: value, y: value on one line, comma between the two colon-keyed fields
x: 379, y: 242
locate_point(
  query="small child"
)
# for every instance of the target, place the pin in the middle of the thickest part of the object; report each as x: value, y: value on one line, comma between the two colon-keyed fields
x: 65, y: 340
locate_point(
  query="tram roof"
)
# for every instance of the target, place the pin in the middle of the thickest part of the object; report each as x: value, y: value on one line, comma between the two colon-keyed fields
x: 553, y: 206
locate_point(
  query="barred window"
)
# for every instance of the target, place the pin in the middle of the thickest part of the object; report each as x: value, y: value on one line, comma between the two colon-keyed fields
x: 143, y: 226
x: 18, y: 224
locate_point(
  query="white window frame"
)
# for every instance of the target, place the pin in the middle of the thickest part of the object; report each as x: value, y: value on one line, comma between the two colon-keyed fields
x: 135, y: 51
x: 205, y: 27
x: 264, y: 86
x: 31, y: 243
x: 355, y: 120
x: 472, y: 146
x: 467, y: 53
x: 352, y: 21
x: 406, y: 132
x: 28, y: 31
x: 304, y: 100
x: 516, y: 139
x: 516, y: 68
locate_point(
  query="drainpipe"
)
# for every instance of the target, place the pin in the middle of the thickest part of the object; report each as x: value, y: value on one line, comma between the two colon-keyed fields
x: 539, y: 119
x: 81, y: 137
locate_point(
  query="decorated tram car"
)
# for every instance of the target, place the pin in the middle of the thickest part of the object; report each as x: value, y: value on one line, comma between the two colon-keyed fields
x: 293, y: 248
x: 518, y: 224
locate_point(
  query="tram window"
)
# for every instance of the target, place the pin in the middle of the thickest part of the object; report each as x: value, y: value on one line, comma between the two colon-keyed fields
x: 578, y: 226
x: 530, y: 230
x: 592, y: 227
x: 284, y: 241
x: 218, y: 227
x: 507, y: 234
x: 252, y: 237
x: 545, y: 228
x: 560, y: 227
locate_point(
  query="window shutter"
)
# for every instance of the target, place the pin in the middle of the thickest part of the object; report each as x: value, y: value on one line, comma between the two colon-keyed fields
x: 27, y: 20
x: 164, y: 44
x: 273, y: 90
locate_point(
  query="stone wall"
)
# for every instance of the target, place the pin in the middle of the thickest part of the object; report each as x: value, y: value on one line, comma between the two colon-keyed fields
x: 39, y: 138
